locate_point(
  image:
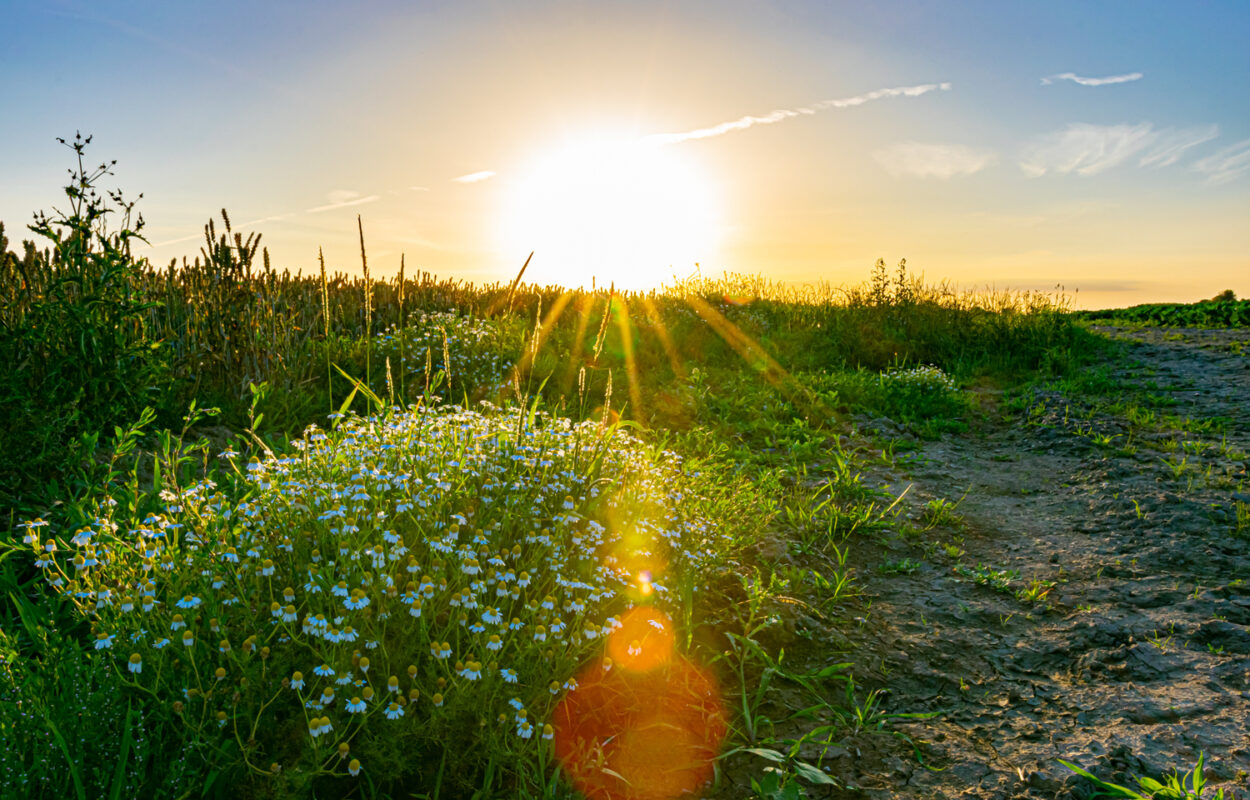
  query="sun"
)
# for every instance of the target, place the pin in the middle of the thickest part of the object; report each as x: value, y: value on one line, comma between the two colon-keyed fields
x: 622, y: 211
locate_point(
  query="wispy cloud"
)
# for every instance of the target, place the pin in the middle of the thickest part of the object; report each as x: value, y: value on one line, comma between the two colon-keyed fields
x: 238, y: 227
x: 1072, y: 76
x: 342, y: 198
x: 474, y: 177
x: 742, y: 123
x: 1227, y: 165
x: 1170, y: 145
x: 1091, y: 149
x: 921, y: 160
x: 1085, y: 149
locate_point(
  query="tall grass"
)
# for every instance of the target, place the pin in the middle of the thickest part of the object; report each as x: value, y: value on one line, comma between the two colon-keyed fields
x: 228, y: 544
x: 98, y: 334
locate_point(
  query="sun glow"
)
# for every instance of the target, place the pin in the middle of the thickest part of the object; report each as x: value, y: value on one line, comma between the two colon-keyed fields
x: 622, y: 211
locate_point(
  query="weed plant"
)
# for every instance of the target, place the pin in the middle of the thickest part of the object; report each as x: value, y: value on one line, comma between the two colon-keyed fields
x: 397, y: 601
x: 405, y: 596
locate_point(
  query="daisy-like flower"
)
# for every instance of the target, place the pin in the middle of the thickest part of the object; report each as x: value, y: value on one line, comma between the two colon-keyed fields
x: 540, y: 633
x: 135, y: 664
x: 415, y: 608
x: 275, y: 610
x: 103, y: 598
x: 516, y: 624
x: 177, y: 623
x: 392, y: 684
x: 159, y: 643
x: 188, y: 638
x: 103, y: 641
x: 492, y: 616
x: 327, y: 696
x: 548, y: 603
x: 525, y: 730
x: 477, y: 627
x: 289, y: 614
x: 394, y: 711
x: 509, y: 675
x: 472, y: 670
x: 523, y: 580
x: 554, y: 687
x: 355, y: 705
x: 549, y: 732
x: 437, y: 699
x: 357, y: 601
x: 326, y: 727
x: 324, y: 671
x: 297, y: 681
x: 495, y: 642
x: 364, y: 664
x: 266, y: 568
x: 353, y: 767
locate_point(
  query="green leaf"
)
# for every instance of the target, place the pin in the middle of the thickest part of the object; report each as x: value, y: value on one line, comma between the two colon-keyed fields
x: 79, y: 789
x: 1117, y: 791
x: 764, y: 752
x: 813, y: 774
x: 119, y: 772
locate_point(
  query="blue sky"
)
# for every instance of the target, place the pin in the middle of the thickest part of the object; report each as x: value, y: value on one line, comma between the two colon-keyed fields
x: 1101, y: 146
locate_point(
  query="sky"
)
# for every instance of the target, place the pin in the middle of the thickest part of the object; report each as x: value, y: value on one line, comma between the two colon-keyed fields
x: 1099, y: 147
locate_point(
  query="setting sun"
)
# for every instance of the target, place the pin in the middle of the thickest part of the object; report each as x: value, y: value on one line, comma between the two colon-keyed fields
x: 622, y: 211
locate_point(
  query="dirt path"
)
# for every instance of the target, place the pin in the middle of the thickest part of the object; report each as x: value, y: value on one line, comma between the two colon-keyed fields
x: 1138, y: 657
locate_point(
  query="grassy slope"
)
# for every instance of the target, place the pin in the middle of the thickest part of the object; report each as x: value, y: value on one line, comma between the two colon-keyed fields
x: 747, y: 382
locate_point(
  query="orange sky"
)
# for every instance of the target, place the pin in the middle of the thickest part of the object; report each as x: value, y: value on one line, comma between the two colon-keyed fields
x: 1104, y: 149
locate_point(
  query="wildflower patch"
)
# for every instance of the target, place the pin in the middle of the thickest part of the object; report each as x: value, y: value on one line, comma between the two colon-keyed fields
x: 427, y: 580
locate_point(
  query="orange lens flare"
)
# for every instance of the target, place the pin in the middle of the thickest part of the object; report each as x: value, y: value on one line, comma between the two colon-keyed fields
x: 643, y: 642
x: 648, y: 729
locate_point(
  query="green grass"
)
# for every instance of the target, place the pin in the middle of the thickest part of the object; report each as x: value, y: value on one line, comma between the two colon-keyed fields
x: 1223, y: 311
x: 264, y: 447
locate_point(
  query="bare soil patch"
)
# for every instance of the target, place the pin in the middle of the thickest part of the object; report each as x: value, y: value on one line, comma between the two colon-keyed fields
x: 1132, y: 655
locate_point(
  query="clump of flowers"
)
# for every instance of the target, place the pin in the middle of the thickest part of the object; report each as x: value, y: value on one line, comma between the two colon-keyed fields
x: 469, y: 351
x: 927, y: 378
x: 408, y: 577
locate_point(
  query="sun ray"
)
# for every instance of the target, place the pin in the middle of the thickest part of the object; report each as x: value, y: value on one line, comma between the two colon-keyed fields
x: 631, y: 366
x: 759, y: 360
x: 661, y: 332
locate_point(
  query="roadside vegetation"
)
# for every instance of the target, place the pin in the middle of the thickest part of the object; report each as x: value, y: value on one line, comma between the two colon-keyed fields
x: 1222, y: 311
x: 272, y: 534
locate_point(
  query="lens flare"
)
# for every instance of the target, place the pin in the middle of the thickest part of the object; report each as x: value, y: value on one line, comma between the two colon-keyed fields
x: 648, y: 730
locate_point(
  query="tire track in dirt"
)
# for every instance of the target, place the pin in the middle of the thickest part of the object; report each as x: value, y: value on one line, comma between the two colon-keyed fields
x: 1142, y: 659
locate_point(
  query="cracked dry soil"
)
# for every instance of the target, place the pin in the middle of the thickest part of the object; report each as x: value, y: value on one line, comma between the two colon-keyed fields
x: 1136, y: 660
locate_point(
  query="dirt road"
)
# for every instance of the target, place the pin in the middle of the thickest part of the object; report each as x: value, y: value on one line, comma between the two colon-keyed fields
x: 1100, y: 609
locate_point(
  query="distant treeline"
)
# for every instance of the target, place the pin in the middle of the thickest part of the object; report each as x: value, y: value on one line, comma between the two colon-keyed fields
x: 1222, y: 311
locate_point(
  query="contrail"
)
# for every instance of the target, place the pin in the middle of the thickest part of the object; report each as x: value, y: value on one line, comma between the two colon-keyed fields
x: 1072, y: 76
x: 742, y: 123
